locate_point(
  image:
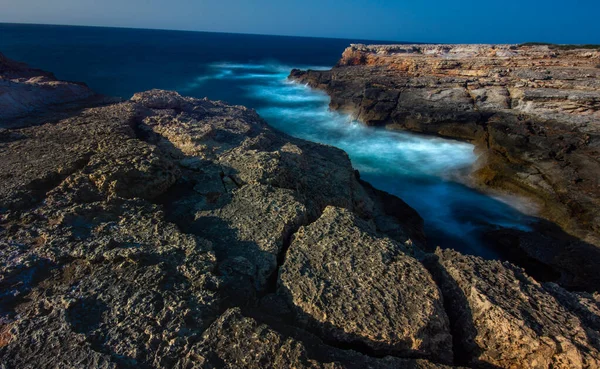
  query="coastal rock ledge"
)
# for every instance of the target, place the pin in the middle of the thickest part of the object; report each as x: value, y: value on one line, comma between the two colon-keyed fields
x: 25, y: 91
x: 533, y: 112
x: 172, y: 232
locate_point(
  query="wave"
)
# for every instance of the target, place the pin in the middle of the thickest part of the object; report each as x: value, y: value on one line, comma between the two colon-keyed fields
x: 226, y: 65
x: 419, y: 169
x: 244, y: 71
x: 200, y: 80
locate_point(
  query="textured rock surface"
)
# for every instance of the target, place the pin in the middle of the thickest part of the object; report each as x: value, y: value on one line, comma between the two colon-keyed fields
x: 24, y: 90
x: 126, y: 229
x: 532, y: 111
x: 502, y: 317
x: 151, y: 233
x: 354, y: 286
x: 236, y: 341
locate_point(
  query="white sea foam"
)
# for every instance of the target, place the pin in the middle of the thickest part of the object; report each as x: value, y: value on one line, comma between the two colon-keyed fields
x: 241, y: 71
x: 373, y: 150
x: 198, y: 81
x: 258, y: 76
x: 225, y: 65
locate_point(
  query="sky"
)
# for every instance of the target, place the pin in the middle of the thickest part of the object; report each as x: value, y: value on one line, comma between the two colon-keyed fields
x: 467, y: 21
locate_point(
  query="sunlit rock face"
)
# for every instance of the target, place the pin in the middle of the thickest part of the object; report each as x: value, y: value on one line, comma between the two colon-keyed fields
x: 353, y: 286
x: 504, y: 318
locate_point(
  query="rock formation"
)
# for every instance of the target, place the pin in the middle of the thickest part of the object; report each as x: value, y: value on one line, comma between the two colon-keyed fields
x: 502, y: 317
x: 166, y: 231
x: 238, y: 341
x: 25, y: 91
x: 356, y: 287
x: 532, y: 111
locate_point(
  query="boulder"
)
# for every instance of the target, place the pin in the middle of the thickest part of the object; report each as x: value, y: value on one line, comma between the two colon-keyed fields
x: 355, y: 287
x: 503, y: 318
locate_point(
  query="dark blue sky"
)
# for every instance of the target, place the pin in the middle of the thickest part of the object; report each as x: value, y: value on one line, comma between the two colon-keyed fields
x: 477, y: 21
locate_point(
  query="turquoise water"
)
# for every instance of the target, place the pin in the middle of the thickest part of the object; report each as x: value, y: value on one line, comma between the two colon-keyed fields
x: 251, y: 70
x: 422, y: 170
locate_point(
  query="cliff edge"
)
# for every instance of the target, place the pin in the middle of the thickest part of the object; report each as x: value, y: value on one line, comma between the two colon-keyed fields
x: 532, y: 111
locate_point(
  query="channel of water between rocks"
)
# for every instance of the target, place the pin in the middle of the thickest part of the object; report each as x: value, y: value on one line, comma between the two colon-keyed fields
x: 426, y: 172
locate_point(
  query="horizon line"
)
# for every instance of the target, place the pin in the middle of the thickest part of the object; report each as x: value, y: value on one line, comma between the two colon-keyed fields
x: 288, y: 35
x: 202, y: 31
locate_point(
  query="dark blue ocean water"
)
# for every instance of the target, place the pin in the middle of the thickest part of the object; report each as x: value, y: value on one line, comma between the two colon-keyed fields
x: 251, y: 70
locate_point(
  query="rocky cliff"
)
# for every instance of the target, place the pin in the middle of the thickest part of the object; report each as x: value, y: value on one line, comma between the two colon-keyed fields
x: 532, y: 111
x: 166, y: 231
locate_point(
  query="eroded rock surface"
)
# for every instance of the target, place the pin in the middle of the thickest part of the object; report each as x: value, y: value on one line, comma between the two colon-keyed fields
x: 501, y: 316
x: 126, y: 229
x: 532, y: 111
x: 167, y: 231
x: 237, y: 341
x: 354, y: 286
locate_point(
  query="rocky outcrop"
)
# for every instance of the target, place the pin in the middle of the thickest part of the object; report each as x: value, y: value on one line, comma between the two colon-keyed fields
x: 356, y: 287
x: 126, y: 229
x: 25, y: 91
x: 172, y: 232
x: 502, y: 317
x: 532, y: 111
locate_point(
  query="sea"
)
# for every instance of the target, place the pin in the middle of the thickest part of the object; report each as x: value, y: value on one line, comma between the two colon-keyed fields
x: 426, y: 172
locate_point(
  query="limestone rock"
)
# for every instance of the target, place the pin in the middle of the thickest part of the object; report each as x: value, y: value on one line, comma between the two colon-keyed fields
x: 126, y: 228
x: 503, y: 318
x: 353, y: 286
x: 105, y: 285
x: 237, y: 341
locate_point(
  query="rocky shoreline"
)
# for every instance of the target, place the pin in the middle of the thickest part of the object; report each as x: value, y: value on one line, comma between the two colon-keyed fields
x: 29, y: 94
x: 533, y: 113
x: 172, y: 232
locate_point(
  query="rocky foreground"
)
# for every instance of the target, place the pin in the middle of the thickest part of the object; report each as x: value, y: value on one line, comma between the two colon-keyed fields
x: 171, y: 232
x: 533, y: 113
